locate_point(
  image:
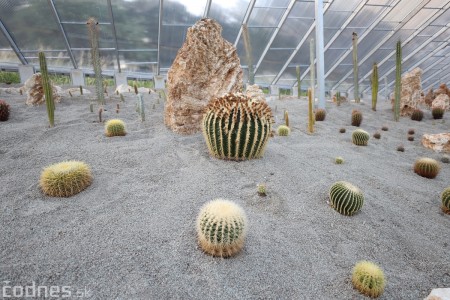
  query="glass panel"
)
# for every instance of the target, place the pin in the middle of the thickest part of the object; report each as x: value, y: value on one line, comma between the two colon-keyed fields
x: 401, y: 10
x: 183, y: 12
x: 291, y: 33
x: 78, y: 36
x: 421, y: 17
x: 107, y: 58
x: 259, y: 37
x: 365, y: 17
x: 229, y: 14
x: 142, y: 61
x: 272, y: 3
x: 265, y: 17
x: 7, y: 55
x: 273, y: 62
x: 172, y: 38
x: 443, y: 20
x: 82, y: 10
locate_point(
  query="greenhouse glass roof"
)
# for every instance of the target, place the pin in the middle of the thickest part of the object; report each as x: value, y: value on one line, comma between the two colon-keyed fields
x: 142, y: 37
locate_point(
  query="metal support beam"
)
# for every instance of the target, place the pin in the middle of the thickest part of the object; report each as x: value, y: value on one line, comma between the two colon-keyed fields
x: 111, y: 15
x: 63, y: 33
x: 250, y: 7
x: 320, y: 57
x: 275, y: 33
x: 207, y: 8
x: 13, y: 44
x: 158, y: 59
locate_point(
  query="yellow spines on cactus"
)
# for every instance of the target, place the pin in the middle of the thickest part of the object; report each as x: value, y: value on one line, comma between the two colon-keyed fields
x: 368, y: 278
x: 65, y: 179
x: 283, y: 130
x: 427, y: 167
x: 115, y: 127
x: 221, y: 228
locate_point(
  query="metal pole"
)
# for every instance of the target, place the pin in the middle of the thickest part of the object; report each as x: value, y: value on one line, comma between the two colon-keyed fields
x: 13, y: 44
x: 207, y: 8
x: 111, y: 15
x: 320, y: 57
x: 158, y: 65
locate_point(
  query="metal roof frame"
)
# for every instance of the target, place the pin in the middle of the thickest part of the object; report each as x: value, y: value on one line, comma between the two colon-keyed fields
x: 250, y: 7
x: 111, y: 15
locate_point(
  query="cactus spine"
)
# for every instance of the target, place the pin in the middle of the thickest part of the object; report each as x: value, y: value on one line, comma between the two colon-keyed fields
x: 310, y: 112
x: 355, y: 67
x: 47, y: 86
x: 237, y: 128
x: 312, y: 69
x: 398, y: 81
x: 249, y: 54
x: 299, y: 82
x: 93, y: 31
x: 374, y: 86
x: 141, y: 107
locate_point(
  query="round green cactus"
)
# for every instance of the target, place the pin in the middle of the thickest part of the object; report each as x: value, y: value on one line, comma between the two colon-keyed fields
x: 427, y: 167
x: 446, y: 201
x: 4, y: 111
x: 236, y: 127
x: 339, y: 160
x: 437, y: 112
x: 417, y: 115
x: 356, y: 118
x: 346, y: 198
x: 320, y: 114
x: 65, y: 179
x: 368, y: 278
x: 221, y: 228
x: 115, y: 127
x: 360, y: 137
x: 283, y: 130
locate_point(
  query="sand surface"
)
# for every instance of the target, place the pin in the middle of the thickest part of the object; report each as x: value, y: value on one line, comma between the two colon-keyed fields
x: 131, y: 234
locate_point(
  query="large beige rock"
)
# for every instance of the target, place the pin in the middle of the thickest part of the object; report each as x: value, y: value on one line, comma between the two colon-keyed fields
x: 439, y: 294
x: 442, y: 101
x: 205, y: 67
x: 411, y: 94
x: 255, y: 93
x: 438, y: 142
x: 35, y: 91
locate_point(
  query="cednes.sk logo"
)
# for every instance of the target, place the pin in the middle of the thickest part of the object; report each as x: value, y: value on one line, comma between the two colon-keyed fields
x: 43, y: 291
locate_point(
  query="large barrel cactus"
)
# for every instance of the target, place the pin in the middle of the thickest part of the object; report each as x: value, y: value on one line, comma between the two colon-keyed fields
x: 368, y: 278
x: 237, y: 128
x: 346, y: 198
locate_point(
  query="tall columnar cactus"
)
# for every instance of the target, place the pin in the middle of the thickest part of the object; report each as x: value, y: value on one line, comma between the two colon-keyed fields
x: 4, y: 111
x: 141, y: 107
x: 346, y: 198
x: 355, y: 67
x: 248, y: 54
x: 221, y: 228
x: 368, y: 278
x: 374, y: 86
x: 93, y: 31
x: 312, y: 69
x: 427, y: 167
x: 310, y: 112
x: 446, y: 201
x: 398, y: 81
x: 286, y: 118
x: 299, y: 82
x: 48, y: 91
x: 237, y: 128
x: 338, y: 98
x: 360, y: 137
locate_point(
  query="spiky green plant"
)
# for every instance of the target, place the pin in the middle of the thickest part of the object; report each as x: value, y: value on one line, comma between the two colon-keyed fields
x: 437, y: 113
x: 299, y: 82
x: 339, y: 160
x: 283, y: 130
x: 427, y: 167
x: 93, y: 31
x: 48, y: 90
x: 320, y: 114
x: 135, y: 88
x: 248, y: 54
x: 141, y: 107
x: 286, y: 118
x: 237, y: 128
x: 360, y: 137
x: 122, y: 98
x: 221, y: 228
x: 368, y: 278
x: 65, y: 179
x: 355, y: 67
x: 100, y: 112
x: 4, y: 111
x: 338, y: 98
x: 417, y: 115
x: 446, y: 200
x: 115, y: 127
x: 398, y: 80
x: 356, y: 118
x: 91, y: 107
x: 81, y: 90
x: 262, y: 190
x: 346, y: 198
x: 311, y: 117
x: 374, y: 86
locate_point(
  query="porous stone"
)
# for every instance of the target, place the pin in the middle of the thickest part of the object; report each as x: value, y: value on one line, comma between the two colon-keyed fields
x: 255, y: 93
x: 438, y: 142
x: 124, y: 88
x: 206, y: 66
x: 411, y: 93
x: 439, y: 294
x: 442, y: 101
x: 35, y: 91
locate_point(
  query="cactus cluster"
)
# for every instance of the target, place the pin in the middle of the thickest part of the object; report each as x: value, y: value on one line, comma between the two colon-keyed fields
x: 417, y: 115
x: 427, y: 167
x: 437, y: 113
x: 65, y: 179
x: 237, y: 128
x: 356, y: 118
x: 360, y: 137
x: 320, y: 114
x: 4, y: 111
x: 115, y: 127
x: 283, y: 130
x: 221, y: 228
x: 446, y: 201
x: 346, y: 198
x: 368, y: 278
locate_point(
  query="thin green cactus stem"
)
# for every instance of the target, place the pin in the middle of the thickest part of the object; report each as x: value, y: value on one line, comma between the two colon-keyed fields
x: 355, y: 67
x: 93, y: 31
x: 398, y: 80
x: 299, y: 82
x: 312, y: 69
x: 47, y: 86
x: 141, y: 107
x: 249, y: 54
x: 310, y: 113
x: 374, y: 86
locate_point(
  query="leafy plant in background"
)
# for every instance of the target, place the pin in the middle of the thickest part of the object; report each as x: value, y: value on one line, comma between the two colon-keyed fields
x: 9, y: 77
x: 355, y: 67
x: 374, y: 86
x: 249, y: 54
x: 48, y: 91
x: 93, y: 31
x: 398, y: 80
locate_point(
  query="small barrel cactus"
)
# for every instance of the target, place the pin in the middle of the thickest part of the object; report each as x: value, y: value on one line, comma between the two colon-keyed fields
x: 437, y: 112
x: 115, y: 127
x: 221, y: 228
x: 342, y: 130
x: 360, y: 137
x: 283, y: 130
x: 446, y: 201
x: 385, y: 128
x: 410, y: 138
x: 320, y: 114
x: 377, y: 135
x: 356, y: 118
x: 417, y: 115
x: 339, y: 160
x: 65, y: 179
x: 400, y: 148
x: 368, y: 278
x: 236, y: 127
x: 4, y: 111
x: 346, y: 198
x: 411, y: 131
x: 427, y: 167
x: 262, y: 190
